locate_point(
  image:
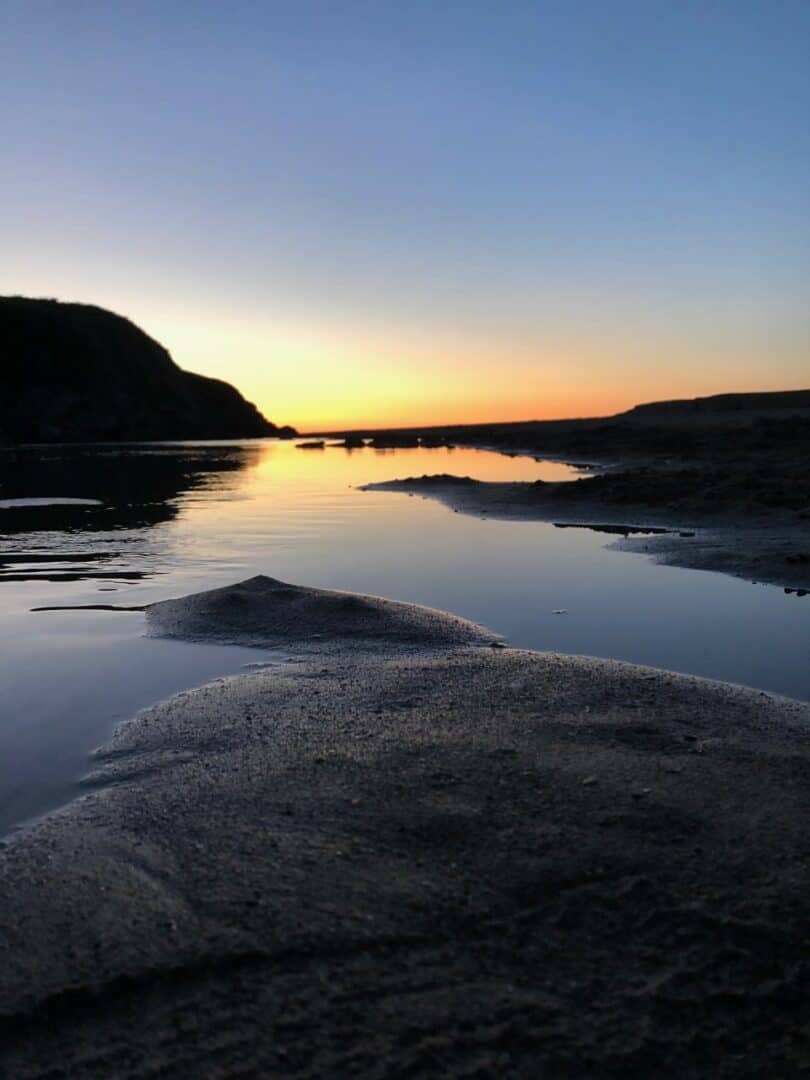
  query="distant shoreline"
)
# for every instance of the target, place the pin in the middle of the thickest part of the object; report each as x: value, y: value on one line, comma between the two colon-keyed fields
x: 731, y: 470
x: 732, y: 409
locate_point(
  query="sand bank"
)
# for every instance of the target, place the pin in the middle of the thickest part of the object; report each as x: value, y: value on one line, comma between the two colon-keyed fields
x: 762, y: 546
x: 407, y: 852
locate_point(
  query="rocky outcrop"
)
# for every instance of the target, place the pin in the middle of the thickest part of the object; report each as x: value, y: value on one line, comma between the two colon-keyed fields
x: 74, y: 373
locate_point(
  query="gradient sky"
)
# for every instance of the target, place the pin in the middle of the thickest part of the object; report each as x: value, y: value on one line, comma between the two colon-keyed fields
x: 376, y: 212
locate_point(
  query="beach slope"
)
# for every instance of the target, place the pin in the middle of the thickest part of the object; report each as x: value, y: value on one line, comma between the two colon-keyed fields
x: 406, y: 851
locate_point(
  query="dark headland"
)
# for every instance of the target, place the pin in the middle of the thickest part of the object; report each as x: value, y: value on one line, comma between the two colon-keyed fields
x: 406, y: 852
x: 78, y: 373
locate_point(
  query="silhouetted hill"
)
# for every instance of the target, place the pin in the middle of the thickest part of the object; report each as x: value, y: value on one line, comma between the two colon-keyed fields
x: 722, y: 408
x: 753, y: 425
x: 75, y: 373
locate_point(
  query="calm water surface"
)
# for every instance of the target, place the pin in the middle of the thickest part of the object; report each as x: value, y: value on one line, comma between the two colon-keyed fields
x: 177, y: 518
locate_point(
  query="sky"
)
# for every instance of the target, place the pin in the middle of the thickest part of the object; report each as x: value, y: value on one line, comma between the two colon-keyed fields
x: 378, y: 213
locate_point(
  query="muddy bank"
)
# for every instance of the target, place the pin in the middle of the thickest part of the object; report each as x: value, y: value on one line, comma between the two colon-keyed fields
x: 427, y: 857
x: 754, y: 543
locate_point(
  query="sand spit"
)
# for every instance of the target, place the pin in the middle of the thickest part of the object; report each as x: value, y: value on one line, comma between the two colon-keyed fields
x: 769, y: 547
x: 432, y: 858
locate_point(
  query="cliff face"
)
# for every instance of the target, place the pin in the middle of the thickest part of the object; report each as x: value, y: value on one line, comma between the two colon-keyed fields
x: 73, y: 373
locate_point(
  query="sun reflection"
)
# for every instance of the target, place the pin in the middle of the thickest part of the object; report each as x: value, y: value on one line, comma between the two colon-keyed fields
x: 284, y: 485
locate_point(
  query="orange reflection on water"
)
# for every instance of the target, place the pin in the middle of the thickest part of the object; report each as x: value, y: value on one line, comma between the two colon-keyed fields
x: 285, y: 494
x: 335, y: 464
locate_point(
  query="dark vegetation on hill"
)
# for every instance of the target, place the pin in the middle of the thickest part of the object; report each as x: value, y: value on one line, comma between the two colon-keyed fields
x: 76, y: 373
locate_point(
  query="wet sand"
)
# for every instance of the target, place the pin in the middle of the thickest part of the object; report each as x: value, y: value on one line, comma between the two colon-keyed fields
x: 407, y: 851
x: 759, y: 544
x: 731, y: 469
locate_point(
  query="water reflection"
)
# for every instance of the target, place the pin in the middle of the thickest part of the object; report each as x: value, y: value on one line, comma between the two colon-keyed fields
x: 142, y: 486
x: 137, y: 488
x: 178, y: 518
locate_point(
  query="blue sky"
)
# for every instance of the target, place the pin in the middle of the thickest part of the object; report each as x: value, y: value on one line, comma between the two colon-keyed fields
x: 375, y: 208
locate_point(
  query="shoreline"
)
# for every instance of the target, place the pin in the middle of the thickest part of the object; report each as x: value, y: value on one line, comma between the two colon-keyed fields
x: 408, y: 849
x: 770, y: 549
x: 732, y: 466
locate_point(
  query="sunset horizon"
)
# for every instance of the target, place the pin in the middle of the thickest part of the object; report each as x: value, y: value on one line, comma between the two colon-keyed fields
x: 441, y: 214
x: 284, y: 394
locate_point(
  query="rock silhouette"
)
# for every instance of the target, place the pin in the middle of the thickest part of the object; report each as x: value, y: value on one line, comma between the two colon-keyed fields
x: 79, y: 373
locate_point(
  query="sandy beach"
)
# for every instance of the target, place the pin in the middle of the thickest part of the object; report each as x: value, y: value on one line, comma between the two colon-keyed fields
x: 404, y: 850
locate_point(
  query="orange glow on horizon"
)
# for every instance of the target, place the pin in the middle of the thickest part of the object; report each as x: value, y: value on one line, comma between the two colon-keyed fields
x: 339, y: 372
x: 446, y: 414
x: 323, y: 377
x: 458, y: 404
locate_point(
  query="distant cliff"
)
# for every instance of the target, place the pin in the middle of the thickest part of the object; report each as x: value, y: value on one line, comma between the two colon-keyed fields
x: 74, y: 373
x: 721, y: 409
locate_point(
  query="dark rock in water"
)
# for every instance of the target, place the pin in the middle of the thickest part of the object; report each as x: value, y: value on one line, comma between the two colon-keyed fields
x: 316, y: 444
x: 394, y: 442
x: 618, y: 530
x: 78, y: 373
x: 351, y: 442
x: 441, y: 479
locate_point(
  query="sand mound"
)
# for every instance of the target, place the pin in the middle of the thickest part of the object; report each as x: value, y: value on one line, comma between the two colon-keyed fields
x: 262, y: 611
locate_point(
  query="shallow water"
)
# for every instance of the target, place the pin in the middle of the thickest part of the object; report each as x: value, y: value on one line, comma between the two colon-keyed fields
x: 176, y: 518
